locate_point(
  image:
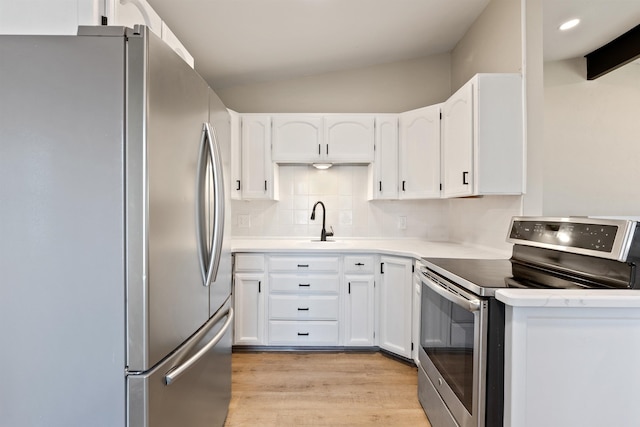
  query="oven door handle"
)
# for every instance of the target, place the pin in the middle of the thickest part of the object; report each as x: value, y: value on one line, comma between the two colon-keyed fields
x: 469, y: 305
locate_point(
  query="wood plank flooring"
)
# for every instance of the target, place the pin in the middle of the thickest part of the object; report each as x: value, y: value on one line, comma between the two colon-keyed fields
x: 323, y: 389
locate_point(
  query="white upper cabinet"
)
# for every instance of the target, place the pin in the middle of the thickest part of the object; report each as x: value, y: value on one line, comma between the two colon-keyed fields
x: 303, y: 138
x: 297, y: 138
x: 482, y: 137
x: 349, y: 139
x: 62, y: 17
x: 383, y: 172
x: 419, y: 152
x: 128, y: 13
x: 258, y: 176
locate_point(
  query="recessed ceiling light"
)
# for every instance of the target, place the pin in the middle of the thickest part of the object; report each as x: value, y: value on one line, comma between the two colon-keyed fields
x: 569, y: 24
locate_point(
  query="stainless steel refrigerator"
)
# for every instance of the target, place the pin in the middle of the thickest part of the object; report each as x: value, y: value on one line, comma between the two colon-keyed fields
x: 114, y: 266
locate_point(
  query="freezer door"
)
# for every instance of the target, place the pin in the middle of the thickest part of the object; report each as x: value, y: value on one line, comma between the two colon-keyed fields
x: 167, y: 105
x: 192, y: 387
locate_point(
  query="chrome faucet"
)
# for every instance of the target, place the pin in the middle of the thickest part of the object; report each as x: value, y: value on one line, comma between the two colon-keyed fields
x: 323, y: 233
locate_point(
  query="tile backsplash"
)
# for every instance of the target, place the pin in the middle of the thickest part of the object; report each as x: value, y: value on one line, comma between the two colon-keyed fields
x: 343, y: 190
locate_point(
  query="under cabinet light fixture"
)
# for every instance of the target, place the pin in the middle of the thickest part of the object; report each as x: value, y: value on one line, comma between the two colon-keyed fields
x: 322, y: 165
x: 569, y: 24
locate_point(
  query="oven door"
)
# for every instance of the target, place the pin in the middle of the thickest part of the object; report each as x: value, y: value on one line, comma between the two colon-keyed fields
x: 452, y: 352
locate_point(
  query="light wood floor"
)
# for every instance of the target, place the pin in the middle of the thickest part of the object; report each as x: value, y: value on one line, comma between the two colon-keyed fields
x: 323, y: 389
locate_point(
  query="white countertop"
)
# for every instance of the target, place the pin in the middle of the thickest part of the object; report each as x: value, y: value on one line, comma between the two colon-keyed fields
x: 417, y: 248
x: 414, y: 248
x: 567, y: 298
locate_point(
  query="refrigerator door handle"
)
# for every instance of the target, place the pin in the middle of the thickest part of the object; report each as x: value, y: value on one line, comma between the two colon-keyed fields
x: 209, y: 255
x: 173, y: 374
x: 219, y: 202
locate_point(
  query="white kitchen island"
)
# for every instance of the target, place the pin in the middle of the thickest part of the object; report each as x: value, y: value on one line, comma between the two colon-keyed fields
x: 571, y: 357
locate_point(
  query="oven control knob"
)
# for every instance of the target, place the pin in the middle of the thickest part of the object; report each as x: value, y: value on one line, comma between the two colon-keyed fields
x: 439, y: 381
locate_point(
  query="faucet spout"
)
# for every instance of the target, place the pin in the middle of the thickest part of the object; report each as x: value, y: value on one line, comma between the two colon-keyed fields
x: 323, y: 233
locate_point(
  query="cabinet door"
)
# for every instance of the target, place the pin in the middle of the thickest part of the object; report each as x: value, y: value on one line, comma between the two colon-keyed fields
x: 395, y: 305
x: 384, y: 180
x: 249, y: 302
x: 297, y: 139
x: 256, y: 158
x: 349, y: 139
x: 236, y: 156
x: 417, y: 304
x: 359, y: 313
x: 420, y: 153
x: 457, y: 143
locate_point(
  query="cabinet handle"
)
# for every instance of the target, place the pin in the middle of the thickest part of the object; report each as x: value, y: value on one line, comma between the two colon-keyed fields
x: 403, y: 183
x: 304, y: 285
x: 359, y: 264
x: 327, y: 149
x: 259, y: 286
x: 349, y: 287
x: 380, y: 185
x: 238, y: 184
x: 303, y: 334
x: 464, y: 178
x: 303, y: 309
x: 319, y: 149
x: 382, y: 268
x: 265, y: 185
x: 303, y: 265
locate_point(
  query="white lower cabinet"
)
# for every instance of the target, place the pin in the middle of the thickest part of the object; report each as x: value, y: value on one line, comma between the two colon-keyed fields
x: 298, y: 300
x: 394, y: 316
x: 359, y: 297
x: 304, y: 300
x: 249, y: 299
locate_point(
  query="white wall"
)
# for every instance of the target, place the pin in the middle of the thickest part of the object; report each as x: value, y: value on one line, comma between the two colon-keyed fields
x: 343, y: 190
x: 386, y: 88
x: 493, y: 44
x: 592, y: 140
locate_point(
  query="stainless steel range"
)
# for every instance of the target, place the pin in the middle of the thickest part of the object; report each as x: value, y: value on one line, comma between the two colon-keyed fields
x: 461, y: 353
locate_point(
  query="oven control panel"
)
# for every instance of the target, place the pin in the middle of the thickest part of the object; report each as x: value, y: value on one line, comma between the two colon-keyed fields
x: 591, y: 236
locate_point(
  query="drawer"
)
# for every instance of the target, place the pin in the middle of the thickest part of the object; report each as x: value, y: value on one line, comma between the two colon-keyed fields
x: 358, y: 264
x: 249, y: 262
x: 303, y: 333
x: 304, y: 263
x: 297, y: 307
x: 304, y: 283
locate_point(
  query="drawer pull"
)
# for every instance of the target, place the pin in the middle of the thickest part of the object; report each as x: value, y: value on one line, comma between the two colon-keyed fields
x: 303, y: 265
x: 304, y: 285
x: 303, y: 334
x: 303, y: 308
x: 359, y: 264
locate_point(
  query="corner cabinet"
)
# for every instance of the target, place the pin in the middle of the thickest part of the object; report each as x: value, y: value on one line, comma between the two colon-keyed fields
x: 419, y: 153
x: 395, y: 296
x: 383, y: 172
x: 305, y: 139
x: 482, y: 137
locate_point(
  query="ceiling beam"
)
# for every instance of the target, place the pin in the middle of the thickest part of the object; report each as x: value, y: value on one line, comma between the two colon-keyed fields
x: 614, y: 54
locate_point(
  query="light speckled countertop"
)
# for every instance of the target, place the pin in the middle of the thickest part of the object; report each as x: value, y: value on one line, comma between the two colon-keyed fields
x: 414, y: 248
